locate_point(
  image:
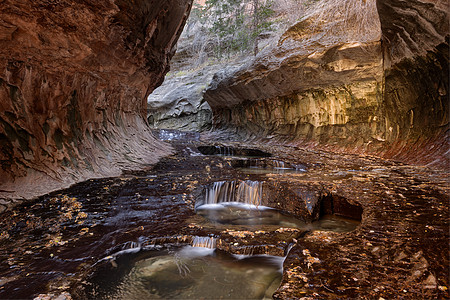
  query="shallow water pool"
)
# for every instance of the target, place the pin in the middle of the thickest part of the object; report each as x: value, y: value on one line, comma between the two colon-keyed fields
x: 188, y: 273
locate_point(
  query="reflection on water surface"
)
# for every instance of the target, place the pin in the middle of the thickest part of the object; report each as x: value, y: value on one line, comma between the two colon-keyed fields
x: 189, y: 273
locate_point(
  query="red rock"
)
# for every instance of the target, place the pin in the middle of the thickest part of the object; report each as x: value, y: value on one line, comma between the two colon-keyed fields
x: 74, y: 76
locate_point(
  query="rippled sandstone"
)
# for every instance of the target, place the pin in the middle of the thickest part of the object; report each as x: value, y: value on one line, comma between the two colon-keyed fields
x: 416, y: 60
x: 385, y: 95
x: 74, y: 76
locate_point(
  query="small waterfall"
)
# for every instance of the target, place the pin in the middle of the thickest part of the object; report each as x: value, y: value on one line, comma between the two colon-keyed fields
x: 130, y: 245
x: 221, y: 191
x: 167, y: 135
x: 204, y: 242
x: 279, y: 164
x: 249, y: 192
x: 256, y: 163
x: 171, y: 134
x: 225, y: 150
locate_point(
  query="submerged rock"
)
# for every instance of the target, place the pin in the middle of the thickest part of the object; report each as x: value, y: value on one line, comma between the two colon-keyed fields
x: 52, y: 244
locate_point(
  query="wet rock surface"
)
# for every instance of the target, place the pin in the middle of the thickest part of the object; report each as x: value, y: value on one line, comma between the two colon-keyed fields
x: 404, y: 221
x: 400, y: 248
x: 415, y: 54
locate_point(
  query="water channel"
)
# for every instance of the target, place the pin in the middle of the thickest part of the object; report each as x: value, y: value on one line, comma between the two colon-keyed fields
x: 195, y: 226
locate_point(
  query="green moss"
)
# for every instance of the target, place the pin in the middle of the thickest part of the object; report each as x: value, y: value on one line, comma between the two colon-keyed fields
x: 87, y: 134
x: 118, y: 119
x: 73, y: 157
x: 105, y: 119
x: 88, y: 165
x: 17, y: 134
x: 74, y: 116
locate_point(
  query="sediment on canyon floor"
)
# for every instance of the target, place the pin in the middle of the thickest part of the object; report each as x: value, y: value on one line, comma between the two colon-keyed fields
x: 341, y: 225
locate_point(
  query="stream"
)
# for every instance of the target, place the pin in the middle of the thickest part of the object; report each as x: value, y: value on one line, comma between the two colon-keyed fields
x: 206, y: 223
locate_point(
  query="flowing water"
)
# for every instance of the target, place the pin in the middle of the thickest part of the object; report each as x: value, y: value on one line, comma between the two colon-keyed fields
x: 262, y: 171
x: 266, y: 166
x: 240, y: 203
x: 247, y: 192
x: 204, y: 242
x: 189, y: 273
x: 174, y: 135
x: 200, y: 271
x: 112, y: 228
x: 252, y: 216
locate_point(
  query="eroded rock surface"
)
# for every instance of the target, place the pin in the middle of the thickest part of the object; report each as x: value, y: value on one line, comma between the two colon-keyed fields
x: 416, y: 60
x: 74, y: 76
x: 319, y: 83
x: 385, y: 94
x: 178, y: 103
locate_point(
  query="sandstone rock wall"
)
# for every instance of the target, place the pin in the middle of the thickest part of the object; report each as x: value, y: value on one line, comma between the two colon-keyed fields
x: 74, y: 76
x: 331, y: 95
x: 384, y: 94
x: 323, y: 82
x: 416, y: 60
x: 346, y: 115
x: 178, y: 103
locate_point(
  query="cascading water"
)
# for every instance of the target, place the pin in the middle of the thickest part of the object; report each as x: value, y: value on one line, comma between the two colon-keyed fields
x: 173, y: 135
x: 279, y: 164
x: 167, y: 135
x: 225, y: 151
x: 248, y: 192
x: 256, y: 163
x: 204, y: 242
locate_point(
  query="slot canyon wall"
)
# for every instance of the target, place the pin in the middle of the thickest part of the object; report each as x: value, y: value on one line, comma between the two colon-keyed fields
x: 385, y: 93
x: 74, y: 77
x: 416, y: 70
